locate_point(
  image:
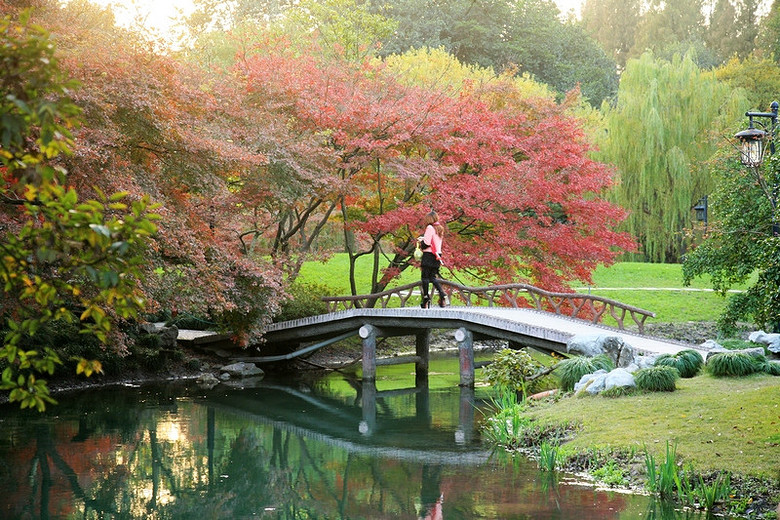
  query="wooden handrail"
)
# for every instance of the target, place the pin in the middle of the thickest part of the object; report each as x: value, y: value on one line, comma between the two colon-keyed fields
x: 584, y: 306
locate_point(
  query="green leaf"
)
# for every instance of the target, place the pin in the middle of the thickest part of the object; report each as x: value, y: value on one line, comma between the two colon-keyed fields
x: 101, y: 229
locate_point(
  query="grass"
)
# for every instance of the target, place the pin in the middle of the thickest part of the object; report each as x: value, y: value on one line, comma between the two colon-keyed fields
x: 715, y: 423
x: 654, y: 287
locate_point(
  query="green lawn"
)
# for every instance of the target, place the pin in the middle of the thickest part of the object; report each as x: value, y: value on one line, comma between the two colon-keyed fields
x: 654, y: 287
x: 726, y: 423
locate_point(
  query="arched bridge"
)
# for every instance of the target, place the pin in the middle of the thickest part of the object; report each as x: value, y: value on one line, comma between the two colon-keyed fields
x: 546, y: 327
x: 577, y: 305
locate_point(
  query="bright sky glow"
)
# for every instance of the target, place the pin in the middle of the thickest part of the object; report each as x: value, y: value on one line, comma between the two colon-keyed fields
x: 566, y: 5
x: 160, y: 16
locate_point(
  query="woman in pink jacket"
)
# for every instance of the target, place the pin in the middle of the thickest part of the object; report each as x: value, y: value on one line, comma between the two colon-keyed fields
x: 431, y: 260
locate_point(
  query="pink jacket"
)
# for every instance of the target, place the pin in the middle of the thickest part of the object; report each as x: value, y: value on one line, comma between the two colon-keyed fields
x: 433, y: 238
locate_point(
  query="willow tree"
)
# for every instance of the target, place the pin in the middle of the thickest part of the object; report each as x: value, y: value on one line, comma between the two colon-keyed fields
x: 667, y: 121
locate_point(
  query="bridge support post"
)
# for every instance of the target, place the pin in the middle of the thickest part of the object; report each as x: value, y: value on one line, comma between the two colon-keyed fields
x: 465, y: 340
x: 367, y: 426
x: 422, y: 350
x: 465, y: 432
x: 369, y: 334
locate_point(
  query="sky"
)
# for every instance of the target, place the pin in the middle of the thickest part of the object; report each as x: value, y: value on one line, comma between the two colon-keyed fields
x: 159, y: 14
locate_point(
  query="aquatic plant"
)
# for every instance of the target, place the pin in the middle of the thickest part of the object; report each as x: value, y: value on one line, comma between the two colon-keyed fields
x: 657, y: 379
x: 713, y: 493
x: 611, y: 474
x: 548, y: 456
x: 688, y: 362
x: 508, y: 422
x: 572, y: 369
x: 662, y: 479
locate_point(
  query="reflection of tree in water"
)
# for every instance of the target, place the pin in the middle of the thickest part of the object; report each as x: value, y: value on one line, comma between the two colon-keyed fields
x: 246, y: 474
x: 194, y: 461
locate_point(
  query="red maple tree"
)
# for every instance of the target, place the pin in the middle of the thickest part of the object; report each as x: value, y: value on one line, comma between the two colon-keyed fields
x: 511, y: 176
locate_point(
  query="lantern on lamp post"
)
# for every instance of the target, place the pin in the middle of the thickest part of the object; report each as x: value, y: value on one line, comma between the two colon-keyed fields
x: 701, y: 211
x: 753, y: 143
x: 751, y: 147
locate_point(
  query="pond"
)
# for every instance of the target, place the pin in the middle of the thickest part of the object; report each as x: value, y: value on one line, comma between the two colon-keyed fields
x: 329, y: 448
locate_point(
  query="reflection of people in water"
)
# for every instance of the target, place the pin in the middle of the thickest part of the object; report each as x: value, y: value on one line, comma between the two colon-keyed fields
x: 431, y: 496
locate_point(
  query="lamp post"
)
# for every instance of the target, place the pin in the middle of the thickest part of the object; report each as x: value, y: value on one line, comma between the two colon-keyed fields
x: 753, y: 149
x: 701, y: 210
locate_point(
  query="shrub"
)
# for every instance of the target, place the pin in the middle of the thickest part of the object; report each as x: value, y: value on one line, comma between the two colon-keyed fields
x: 189, y: 321
x: 687, y: 362
x: 732, y: 364
x: 305, y: 299
x: 572, y: 369
x: 510, y: 369
x: 657, y: 379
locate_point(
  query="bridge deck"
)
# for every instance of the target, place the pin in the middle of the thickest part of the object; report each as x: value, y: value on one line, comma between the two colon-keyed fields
x: 538, y: 329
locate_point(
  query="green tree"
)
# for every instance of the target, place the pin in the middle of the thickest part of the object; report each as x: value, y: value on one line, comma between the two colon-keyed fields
x: 666, y: 24
x: 665, y: 124
x: 733, y: 28
x: 613, y: 24
x: 475, y: 32
x: 344, y: 26
x: 769, y: 34
x: 721, y: 31
x: 62, y: 259
x: 527, y: 35
x: 741, y: 242
x: 747, y: 27
x: 758, y: 77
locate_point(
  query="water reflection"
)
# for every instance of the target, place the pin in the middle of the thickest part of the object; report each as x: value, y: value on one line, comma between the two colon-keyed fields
x: 333, y: 449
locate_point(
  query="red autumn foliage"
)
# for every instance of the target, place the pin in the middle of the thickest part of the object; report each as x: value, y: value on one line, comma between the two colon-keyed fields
x: 258, y: 163
x: 514, y: 183
x: 152, y: 125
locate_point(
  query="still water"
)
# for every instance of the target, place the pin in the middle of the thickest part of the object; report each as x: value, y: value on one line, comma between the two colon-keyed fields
x: 325, y: 449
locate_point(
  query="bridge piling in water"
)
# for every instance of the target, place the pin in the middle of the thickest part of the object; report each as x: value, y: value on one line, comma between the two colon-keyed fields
x: 422, y: 346
x: 465, y: 339
x: 463, y: 336
x: 369, y: 333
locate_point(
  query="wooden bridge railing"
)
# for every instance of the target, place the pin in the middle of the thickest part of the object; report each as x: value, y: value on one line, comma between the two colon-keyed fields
x: 584, y: 306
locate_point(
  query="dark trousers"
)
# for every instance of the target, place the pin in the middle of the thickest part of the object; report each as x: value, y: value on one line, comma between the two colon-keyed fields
x: 429, y: 269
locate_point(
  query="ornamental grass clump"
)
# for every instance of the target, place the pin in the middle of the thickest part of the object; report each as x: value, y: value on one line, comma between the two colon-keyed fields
x: 657, y: 379
x: 771, y: 367
x: 732, y: 364
x: 687, y: 362
x: 572, y: 369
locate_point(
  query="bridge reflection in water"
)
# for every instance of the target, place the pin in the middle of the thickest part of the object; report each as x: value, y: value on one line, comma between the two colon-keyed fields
x: 367, y: 425
x: 331, y: 449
